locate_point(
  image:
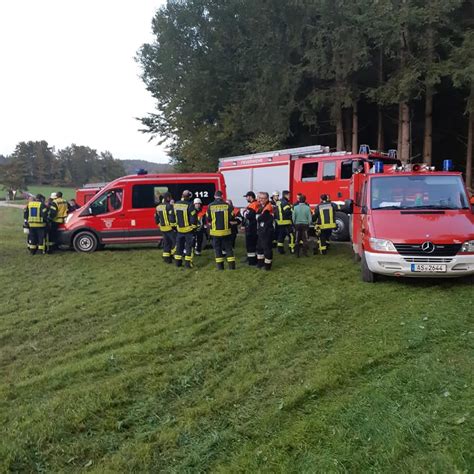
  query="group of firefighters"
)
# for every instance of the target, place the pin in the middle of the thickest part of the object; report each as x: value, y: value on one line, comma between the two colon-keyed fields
x: 42, y: 217
x: 268, y: 223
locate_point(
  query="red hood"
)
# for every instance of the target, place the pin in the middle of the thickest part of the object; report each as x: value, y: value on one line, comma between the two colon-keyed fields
x: 449, y: 227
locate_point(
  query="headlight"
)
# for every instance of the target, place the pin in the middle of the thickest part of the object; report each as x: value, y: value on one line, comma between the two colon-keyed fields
x: 381, y: 245
x: 468, y: 246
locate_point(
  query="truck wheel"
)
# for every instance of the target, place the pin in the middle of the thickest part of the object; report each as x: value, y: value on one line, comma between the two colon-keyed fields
x: 85, y: 242
x: 367, y: 275
x: 341, y: 232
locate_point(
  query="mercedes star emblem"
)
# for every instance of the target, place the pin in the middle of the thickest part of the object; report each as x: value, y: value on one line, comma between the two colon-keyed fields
x: 428, y: 247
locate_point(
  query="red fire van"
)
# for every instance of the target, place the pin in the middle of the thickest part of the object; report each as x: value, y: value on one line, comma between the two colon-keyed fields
x: 123, y: 212
x: 412, y: 221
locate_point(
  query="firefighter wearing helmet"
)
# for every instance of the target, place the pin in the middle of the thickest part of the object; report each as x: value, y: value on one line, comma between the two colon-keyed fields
x: 219, y: 214
x: 186, y: 224
x: 264, y: 232
x: 165, y: 219
x: 325, y: 223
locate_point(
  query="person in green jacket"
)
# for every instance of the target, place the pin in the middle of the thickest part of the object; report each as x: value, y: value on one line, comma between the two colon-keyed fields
x: 302, y: 220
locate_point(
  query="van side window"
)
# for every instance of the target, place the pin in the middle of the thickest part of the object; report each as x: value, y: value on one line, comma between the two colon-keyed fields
x: 346, y: 170
x: 145, y: 196
x: 309, y: 171
x: 329, y: 171
x: 107, y: 202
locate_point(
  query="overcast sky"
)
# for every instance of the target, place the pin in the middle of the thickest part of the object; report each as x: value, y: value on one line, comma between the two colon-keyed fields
x: 68, y: 75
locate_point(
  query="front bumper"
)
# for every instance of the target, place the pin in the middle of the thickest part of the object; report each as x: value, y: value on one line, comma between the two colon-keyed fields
x: 400, y: 265
x: 63, y: 237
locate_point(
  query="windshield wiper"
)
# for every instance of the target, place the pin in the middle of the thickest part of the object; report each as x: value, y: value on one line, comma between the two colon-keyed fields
x: 384, y: 208
x: 432, y: 206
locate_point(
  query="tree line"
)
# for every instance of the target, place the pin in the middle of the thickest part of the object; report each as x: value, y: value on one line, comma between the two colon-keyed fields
x: 239, y: 76
x: 35, y: 162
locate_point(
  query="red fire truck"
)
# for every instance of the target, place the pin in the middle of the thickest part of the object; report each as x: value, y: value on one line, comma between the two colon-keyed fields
x: 412, y: 221
x: 123, y: 211
x: 312, y: 171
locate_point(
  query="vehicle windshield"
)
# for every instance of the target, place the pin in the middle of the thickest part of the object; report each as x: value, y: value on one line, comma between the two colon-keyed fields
x: 418, y: 192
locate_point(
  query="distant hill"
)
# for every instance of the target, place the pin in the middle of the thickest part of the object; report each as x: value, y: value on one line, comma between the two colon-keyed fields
x: 131, y: 166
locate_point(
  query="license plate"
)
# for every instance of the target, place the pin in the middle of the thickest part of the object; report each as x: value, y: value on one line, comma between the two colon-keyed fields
x: 428, y: 267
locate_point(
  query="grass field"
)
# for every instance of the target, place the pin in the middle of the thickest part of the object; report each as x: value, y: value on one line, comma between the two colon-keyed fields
x: 114, y: 362
x: 68, y: 193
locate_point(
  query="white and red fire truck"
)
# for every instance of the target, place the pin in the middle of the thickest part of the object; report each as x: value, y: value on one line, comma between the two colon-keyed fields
x: 311, y: 170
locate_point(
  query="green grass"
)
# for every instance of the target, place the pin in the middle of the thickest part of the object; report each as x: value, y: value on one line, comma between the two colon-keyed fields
x: 68, y: 193
x: 115, y: 362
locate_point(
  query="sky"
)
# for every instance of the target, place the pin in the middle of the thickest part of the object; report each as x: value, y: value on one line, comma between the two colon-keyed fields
x: 68, y: 75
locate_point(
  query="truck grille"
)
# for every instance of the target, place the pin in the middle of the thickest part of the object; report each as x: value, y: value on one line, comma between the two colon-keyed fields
x: 427, y: 260
x: 439, y: 250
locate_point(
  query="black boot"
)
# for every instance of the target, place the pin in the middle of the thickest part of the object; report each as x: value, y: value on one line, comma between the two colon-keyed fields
x: 220, y: 265
x: 252, y: 261
x: 179, y: 263
x: 260, y: 262
x: 167, y: 259
x: 188, y: 264
x: 268, y: 266
x: 281, y: 250
x: 231, y: 265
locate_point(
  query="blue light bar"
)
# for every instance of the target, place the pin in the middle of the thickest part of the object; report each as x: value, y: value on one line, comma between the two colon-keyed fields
x: 448, y: 165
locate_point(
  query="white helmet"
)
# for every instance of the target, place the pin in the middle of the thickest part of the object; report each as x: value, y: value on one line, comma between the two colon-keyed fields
x: 275, y: 193
x: 53, y: 196
x: 197, y: 201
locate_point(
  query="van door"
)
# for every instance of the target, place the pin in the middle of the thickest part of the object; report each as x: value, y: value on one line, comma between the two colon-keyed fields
x: 108, y: 217
x: 144, y: 199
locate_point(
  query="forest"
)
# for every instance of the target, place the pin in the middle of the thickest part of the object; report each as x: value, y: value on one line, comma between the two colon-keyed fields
x: 238, y: 76
x: 35, y: 162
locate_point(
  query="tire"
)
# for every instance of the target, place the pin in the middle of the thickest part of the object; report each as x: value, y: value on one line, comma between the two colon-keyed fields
x: 367, y: 275
x: 85, y: 242
x: 341, y: 233
x: 356, y: 257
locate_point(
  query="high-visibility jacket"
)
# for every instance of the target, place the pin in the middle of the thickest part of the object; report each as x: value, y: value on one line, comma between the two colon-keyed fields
x: 202, y: 220
x: 324, y: 215
x: 265, y: 219
x: 61, y: 213
x: 250, y: 217
x: 283, y: 212
x: 219, y: 214
x: 35, y: 214
x: 164, y: 217
x: 186, y: 216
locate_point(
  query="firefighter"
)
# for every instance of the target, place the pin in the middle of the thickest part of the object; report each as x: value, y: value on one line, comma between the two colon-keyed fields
x: 165, y: 219
x: 186, y: 224
x: 274, y: 202
x: 235, y: 222
x: 201, y: 227
x: 36, y: 216
x: 219, y: 215
x: 250, y: 223
x: 283, y: 219
x: 58, y: 210
x: 265, y: 231
x: 325, y: 223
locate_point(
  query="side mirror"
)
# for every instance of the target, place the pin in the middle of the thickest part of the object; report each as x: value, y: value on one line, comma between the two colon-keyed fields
x: 349, y: 206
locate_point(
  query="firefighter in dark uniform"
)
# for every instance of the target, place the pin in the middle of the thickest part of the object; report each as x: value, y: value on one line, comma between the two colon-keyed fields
x: 250, y: 223
x: 325, y: 223
x: 165, y: 219
x: 265, y: 231
x: 58, y: 212
x: 36, y: 216
x: 283, y: 219
x: 235, y: 222
x: 219, y: 215
x: 186, y: 224
x: 274, y: 202
x: 201, y: 227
